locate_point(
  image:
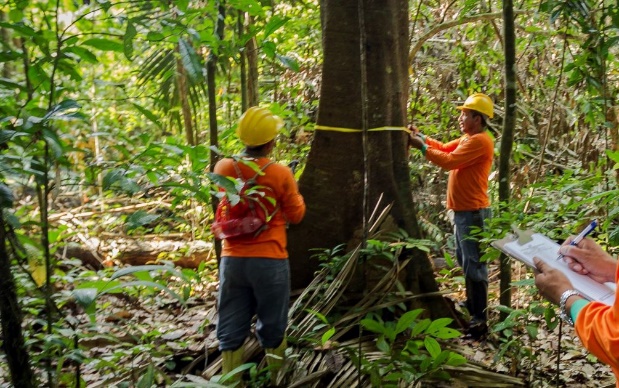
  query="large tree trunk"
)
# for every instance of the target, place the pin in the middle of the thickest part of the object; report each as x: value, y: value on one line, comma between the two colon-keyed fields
x: 334, y: 179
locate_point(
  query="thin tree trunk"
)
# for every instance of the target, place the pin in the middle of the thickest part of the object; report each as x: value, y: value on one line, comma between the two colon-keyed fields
x: 243, y: 62
x: 251, y: 51
x: 211, y: 68
x: 507, y: 138
x: 183, y: 95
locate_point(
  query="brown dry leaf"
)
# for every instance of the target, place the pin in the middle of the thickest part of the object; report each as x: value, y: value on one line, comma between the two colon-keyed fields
x: 120, y: 315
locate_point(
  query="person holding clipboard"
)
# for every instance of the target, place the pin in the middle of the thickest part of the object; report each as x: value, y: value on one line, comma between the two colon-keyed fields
x: 596, y: 324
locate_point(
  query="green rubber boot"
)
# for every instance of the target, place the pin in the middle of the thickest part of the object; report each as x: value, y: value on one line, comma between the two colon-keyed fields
x: 275, y: 360
x: 232, y: 359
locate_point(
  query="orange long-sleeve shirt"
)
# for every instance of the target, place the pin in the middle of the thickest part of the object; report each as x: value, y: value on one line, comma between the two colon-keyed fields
x: 597, y: 326
x: 469, y: 160
x: 271, y: 243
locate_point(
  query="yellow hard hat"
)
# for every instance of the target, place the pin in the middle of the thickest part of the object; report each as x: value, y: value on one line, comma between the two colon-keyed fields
x: 258, y: 126
x: 479, y: 102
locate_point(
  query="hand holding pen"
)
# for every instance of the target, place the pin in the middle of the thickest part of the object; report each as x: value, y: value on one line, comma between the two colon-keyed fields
x: 581, y: 236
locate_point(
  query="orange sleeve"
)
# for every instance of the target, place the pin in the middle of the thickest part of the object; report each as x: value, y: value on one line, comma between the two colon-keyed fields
x: 597, y: 325
x: 445, y: 147
x: 468, y: 151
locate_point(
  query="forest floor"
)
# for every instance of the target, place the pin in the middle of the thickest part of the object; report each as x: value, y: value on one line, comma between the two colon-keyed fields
x: 188, y: 336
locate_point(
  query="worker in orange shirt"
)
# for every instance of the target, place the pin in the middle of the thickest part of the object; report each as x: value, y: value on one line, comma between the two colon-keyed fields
x: 254, y: 273
x: 596, y: 323
x: 469, y: 160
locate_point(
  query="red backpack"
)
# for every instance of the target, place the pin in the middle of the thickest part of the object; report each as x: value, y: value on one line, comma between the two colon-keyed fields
x: 245, y: 213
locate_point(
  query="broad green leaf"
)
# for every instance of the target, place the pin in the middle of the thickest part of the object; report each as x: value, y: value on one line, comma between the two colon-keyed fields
x: 54, y: 142
x: 61, y: 108
x: 327, y: 335
x: 382, y: 345
x: 447, y: 333
x: 289, y: 62
x: 407, y: 320
x: 226, y: 183
x: 373, y: 326
x: 6, y: 196
x: 130, y: 34
x: 253, y: 7
x: 83, y: 53
x: 9, y: 55
x: 456, y: 359
x: 441, y: 359
x: 105, y: 44
x: 155, y: 36
x: 273, y: 25
x: 85, y: 296
x: 10, y: 84
x: 438, y: 324
x: 139, y: 218
x: 269, y: 49
x: 432, y: 346
x: 112, y: 177
x: 532, y: 331
x: 147, y: 379
x: 20, y: 28
x: 420, y: 327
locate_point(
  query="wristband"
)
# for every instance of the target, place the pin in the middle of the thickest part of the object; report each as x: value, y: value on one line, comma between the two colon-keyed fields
x: 423, y: 149
x: 563, y: 311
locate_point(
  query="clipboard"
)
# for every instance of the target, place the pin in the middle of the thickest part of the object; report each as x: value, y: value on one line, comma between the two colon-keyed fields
x: 527, y: 244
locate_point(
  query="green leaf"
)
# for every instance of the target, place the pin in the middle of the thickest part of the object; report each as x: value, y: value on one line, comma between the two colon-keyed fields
x: 149, y: 115
x: 289, y: 62
x: 60, y: 109
x: 20, y: 28
x: 438, y: 324
x: 85, y: 296
x: 83, y: 53
x: 441, y: 359
x: 130, y: 34
x: 327, y: 335
x: 269, y: 49
x: 6, y: 196
x: 148, y: 379
x: 456, y: 359
x: 373, y: 326
x: 190, y: 61
x: 151, y: 267
x: 139, y: 218
x: 105, y: 44
x: 273, y: 25
x: 407, y: 320
x: 226, y: 183
x: 155, y: 36
x: 432, y: 346
x: 112, y: 177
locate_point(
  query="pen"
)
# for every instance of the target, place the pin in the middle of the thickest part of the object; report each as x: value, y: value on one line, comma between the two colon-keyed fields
x: 581, y: 236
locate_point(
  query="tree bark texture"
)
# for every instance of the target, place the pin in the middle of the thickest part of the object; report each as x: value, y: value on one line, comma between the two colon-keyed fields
x: 507, y: 138
x: 10, y: 314
x: 333, y: 181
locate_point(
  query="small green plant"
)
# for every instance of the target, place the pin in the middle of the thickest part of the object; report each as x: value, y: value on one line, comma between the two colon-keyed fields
x: 520, y: 329
x: 409, y: 349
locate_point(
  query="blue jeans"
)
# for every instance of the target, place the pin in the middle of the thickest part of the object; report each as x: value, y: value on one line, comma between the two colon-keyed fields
x: 248, y: 287
x: 468, y: 255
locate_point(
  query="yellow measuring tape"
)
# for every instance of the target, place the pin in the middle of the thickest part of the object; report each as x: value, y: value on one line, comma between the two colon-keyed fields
x: 349, y: 130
